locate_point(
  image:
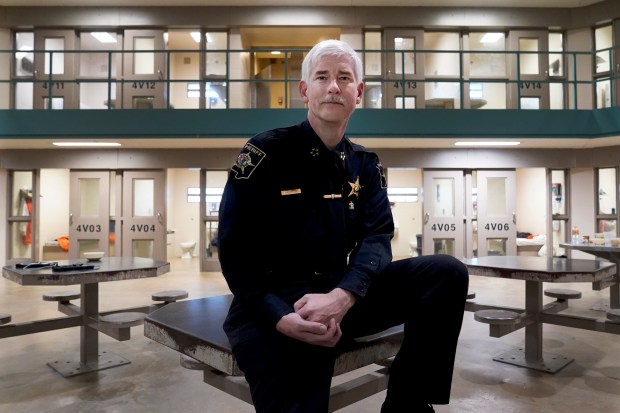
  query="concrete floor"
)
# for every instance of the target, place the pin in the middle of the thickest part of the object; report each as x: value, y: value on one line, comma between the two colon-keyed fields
x: 155, y: 382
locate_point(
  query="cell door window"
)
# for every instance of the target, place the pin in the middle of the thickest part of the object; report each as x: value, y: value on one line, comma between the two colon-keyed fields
x: 530, y: 103
x: 404, y: 58
x: 528, y: 57
x: 54, y: 60
x: 143, y: 56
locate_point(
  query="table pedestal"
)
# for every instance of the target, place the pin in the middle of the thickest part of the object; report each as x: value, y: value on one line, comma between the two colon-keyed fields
x: 549, y: 363
x: 105, y: 360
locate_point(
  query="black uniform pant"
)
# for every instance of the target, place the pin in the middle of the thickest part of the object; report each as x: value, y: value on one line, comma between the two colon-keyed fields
x: 426, y: 293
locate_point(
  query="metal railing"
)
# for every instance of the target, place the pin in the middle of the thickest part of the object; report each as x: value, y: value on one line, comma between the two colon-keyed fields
x: 237, y: 77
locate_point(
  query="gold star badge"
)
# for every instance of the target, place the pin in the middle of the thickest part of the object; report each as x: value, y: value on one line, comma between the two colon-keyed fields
x: 355, y: 187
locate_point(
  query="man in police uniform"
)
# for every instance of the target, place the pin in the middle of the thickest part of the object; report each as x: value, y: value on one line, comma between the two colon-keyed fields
x: 305, y: 230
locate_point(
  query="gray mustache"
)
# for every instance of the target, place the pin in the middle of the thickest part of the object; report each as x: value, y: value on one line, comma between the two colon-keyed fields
x: 333, y: 99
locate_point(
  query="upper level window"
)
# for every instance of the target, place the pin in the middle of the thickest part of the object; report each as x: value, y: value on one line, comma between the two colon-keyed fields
x: 482, y: 61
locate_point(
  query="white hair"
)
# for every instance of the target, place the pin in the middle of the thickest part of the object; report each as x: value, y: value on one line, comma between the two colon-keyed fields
x: 331, y: 47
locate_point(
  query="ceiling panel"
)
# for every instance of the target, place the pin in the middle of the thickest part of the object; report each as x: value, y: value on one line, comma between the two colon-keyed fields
x: 428, y: 3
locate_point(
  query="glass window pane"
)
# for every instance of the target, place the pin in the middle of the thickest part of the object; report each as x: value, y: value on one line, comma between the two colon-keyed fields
x: 442, y: 95
x: 530, y: 103
x: 556, y: 96
x: 22, y: 194
x: 558, y: 206
x: 407, y: 103
x: 602, y: 41
x: 142, y: 248
x: 143, y: 197
x: 57, y: 103
x: 373, y: 95
x: 487, y: 95
x: 142, y: 102
x: 215, y: 182
x: 444, y: 246
x: 556, y: 61
x: 496, y: 197
x: 21, y: 240
x: 24, y: 97
x: 372, y: 61
x: 603, y: 94
x: 57, y: 60
x: 443, y: 63
x: 144, y: 62
x: 528, y: 64
x: 404, y: 62
x: 24, y: 58
x: 89, y: 198
x: 559, y: 235
x: 485, y: 63
x: 443, y: 197
x: 95, y: 95
x: 212, y: 240
x: 496, y: 246
x: 607, y: 191
x: 606, y: 225
x: 87, y: 245
x: 98, y: 64
x: 216, y: 61
x: 215, y: 95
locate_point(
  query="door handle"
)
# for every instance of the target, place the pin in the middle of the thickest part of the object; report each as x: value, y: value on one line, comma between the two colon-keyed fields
x: 426, y: 218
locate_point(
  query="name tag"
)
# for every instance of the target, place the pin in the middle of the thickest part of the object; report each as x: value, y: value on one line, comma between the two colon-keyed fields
x: 291, y: 192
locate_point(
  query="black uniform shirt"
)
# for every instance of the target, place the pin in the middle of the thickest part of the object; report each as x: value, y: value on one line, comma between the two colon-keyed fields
x: 294, y: 212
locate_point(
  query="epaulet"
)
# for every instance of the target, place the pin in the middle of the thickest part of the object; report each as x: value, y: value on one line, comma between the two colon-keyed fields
x: 358, y: 148
x: 275, y: 135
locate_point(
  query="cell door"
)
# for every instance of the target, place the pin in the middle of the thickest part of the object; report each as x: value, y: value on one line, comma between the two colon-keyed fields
x: 444, y: 213
x: 143, y: 215
x: 404, y: 68
x: 529, y: 69
x: 144, y: 69
x: 89, y: 212
x: 497, y: 233
x: 54, y: 70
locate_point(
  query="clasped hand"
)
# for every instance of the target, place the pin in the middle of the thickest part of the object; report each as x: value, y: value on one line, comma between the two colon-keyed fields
x: 317, y: 318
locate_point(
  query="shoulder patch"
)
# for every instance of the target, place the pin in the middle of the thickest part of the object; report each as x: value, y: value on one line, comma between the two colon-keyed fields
x: 382, y: 177
x: 248, y: 160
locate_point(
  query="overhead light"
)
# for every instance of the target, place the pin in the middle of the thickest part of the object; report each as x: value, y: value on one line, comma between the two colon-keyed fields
x: 487, y: 143
x: 103, y: 37
x: 86, y: 144
x: 491, y: 37
x: 275, y: 52
x: 195, y: 36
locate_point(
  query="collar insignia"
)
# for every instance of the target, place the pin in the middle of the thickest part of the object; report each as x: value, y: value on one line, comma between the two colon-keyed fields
x: 314, y: 152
